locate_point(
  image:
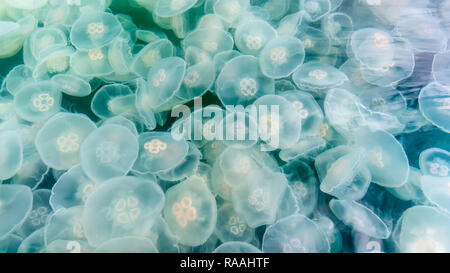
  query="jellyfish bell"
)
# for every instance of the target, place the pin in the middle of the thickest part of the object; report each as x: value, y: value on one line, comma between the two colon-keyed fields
x: 11, y: 156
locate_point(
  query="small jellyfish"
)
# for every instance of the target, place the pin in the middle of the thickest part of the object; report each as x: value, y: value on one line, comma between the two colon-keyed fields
x: 289, y: 25
x: 434, y: 103
x: 251, y: 36
x: 412, y: 189
x: 295, y: 234
x: 230, y: 10
x: 435, y: 183
x: 224, y: 57
x: 122, y: 206
x: 71, y: 189
x: 259, y: 198
x: 210, y: 21
x: 191, y: 211
x: 360, y: 218
x: 423, y: 229
x: 109, y: 151
x: 236, y: 247
x: 72, y: 85
x: 38, y: 101
x: 39, y: 213
x: 44, y: 40
x: 59, y: 140
x: 277, y: 125
x: 315, y: 9
x: 231, y: 226
x: 112, y: 100
x: 339, y: 26
x: 281, y: 56
x: 16, y: 202
x: 65, y: 224
x: 387, y: 160
x: 199, y: 78
x: 241, y: 82
x: 211, y: 40
x: 186, y: 168
x: 91, y: 63
x: 151, y: 54
x: 127, y: 244
x: 120, y: 56
x: 160, y: 152
x: 318, y: 77
x: 303, y: 182
x: 94, y: 29
x: 11, y: 154
x: 315, y: 42
x: 17, y: 78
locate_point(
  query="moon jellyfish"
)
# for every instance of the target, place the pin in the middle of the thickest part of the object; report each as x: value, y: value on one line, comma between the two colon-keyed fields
x: 122, y: 206
x: 211, y: 40
x: 387, y: 160
x: 251, y: 36
x: 331, y: 231
x: 44, y: 40
x: 13, y: 34
x: 159, y: 152
x: 338, y: 26
x: 276, y: 124
x: 412, y: 189
x: 122, y: 121
x: 72, y: 85
x: 434, y: 103
x: 308, y: 110
x: 360, y: 218
x: 91, y: 63
x: 186, y: 168
x: 303, y: 182
x: 423, y: 229
x: 17, y: 78
x: 94, y: 29
x: 230, y: 10
x: 372, y: 47
x: 280, y: 57
x: 191, y: 211
x: 38, y: 101
x: 315, y: 42
x: 10, y: 243
x: 11, y: 154
x: 435, y: 165
x: 109, y: 151
x: 34, y: 243
x: 258, y: 199
x: 59, y: 140
x: 39, y: 213
x: 241, y: 82
x: 127, y: 244
x: 318, y: 77
x: 71, y: 189
x: 151, y: 54
x: 112, y: 100
x: 315, y: 9
x: 16, y: 202
x: 236, y: 247
x: 238, y: 129
x: 65, y: 224
x: 231, y: 226
x: 295, y: 234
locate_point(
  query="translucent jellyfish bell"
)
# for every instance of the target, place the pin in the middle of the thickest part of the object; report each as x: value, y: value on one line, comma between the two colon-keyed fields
x: 44, y: 40
x: 109, y: 151
x: 290, y: 24
x: 94, y: 29
x: 238, y: 130
x: 338, y: 26
x: 17, y: 78
x: 56, y: 62
x: 91, y: 63
x: 423, y: 229
x: 315, y: 9
x: 164, y: 80
x: 277, y: 125
x: 38, y: 101
x: 412, y: 190
x: 122, y: 206
x: 159, y: 152
x: 71, y: 189
x: 65, y: 224
x: 231, y: 226
x: 304, y: 185
x: 150, y: 55
x: 236, y: 247
x: 72, y: 85
x: 112, y: 100
x: 360, y: 218
x: 199, y: 78
x: 251, y: 36
x: 241, y: 82
x: 318, y: 77
x: 387, y: 160
x: 13, y: 34
x: 295, y: 234
x: 186, y: 168
x: 172, y: 8
x: 39, y: 213
x: 434, y: 103
x: 191, y: 211
x: 230, y: 10
x: 10, y: 243
x: 316, y: 42
x: 128, y: 244
x: 211, y: 40
x: 59, y: 140
x: 372, y: 47
x: 435, y: 165
x: 308, y: 110
x: 281, y: 56
x: 11, y: 154
x: 16, y: 202
x: 258, y: 199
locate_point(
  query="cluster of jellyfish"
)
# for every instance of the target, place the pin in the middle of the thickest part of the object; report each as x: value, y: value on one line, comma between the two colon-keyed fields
x: 89, y: 161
